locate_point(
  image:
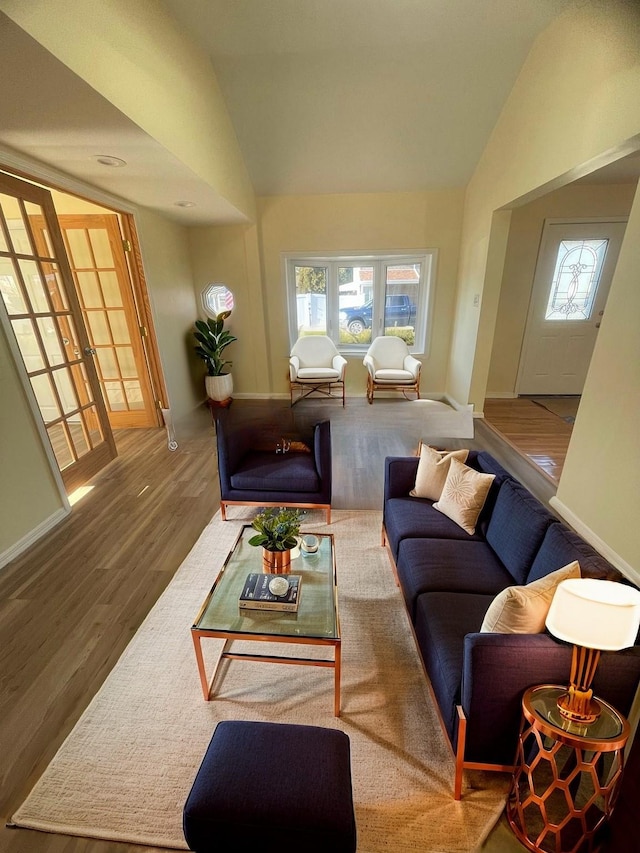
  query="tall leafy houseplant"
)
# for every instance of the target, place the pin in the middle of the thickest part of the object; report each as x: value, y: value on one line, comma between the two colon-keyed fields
x: 212, y: 340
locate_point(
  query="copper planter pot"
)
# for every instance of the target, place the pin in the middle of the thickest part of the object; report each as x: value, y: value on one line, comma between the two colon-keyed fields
x: 276, y: 562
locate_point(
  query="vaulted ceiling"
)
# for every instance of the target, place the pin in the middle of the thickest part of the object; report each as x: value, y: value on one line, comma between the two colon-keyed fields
x: 364, y: 95
x: 325, y: 96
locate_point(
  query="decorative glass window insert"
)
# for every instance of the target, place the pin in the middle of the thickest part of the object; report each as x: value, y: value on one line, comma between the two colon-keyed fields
x: 575, y: 279
x: 216, y: 298
x: 353, y: 299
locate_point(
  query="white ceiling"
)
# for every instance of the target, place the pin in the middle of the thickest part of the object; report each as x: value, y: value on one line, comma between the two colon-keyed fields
x: 364, y: 95
x: 325, y: 96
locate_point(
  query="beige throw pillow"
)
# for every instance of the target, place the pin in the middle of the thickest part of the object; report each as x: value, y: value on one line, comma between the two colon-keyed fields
x: 464, y: 494
x: 433, y: 468
x: 523, y: 609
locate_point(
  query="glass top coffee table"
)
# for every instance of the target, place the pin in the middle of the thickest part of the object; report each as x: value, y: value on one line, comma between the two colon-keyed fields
x: 315, y: 623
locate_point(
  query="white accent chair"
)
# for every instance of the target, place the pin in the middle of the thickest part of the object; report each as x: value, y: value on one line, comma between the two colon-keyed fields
x: 315, y: 365
x: 390, y: 367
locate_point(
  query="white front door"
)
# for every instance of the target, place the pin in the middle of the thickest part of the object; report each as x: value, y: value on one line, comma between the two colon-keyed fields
x: 573, y: 274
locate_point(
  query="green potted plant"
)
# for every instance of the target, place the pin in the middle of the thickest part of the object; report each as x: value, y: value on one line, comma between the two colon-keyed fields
x: 212, y: 340
x: 277, y: 532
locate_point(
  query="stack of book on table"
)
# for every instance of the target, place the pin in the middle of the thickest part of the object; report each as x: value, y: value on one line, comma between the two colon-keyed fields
x: 257, y: 592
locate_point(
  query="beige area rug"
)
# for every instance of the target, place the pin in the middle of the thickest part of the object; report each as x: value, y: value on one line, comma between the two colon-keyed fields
x: 125, y: 770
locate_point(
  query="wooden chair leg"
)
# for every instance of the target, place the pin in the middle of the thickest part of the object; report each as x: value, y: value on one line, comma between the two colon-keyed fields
x: 462, y: 736
x: 223, y: 511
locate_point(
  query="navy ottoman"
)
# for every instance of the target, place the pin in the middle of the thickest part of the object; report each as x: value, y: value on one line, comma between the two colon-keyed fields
x: 275, y: 786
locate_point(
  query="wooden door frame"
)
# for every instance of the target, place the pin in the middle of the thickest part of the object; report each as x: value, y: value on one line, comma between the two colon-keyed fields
x: 85, y: 467
x: 143, y: 306
x: 137, y: 321
x: 24, y: 168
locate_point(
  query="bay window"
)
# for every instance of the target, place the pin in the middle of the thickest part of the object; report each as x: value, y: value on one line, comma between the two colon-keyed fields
x: 355, y: 298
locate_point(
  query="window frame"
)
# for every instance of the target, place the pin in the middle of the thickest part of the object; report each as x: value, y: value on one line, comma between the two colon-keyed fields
x: 380, y: 261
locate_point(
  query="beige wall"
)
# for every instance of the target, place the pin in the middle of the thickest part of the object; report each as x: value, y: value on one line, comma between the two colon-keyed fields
x: 360, y: 223
x: 230, y: 255
x: 167, y: 267
x: 29, y: 495
x: 575, y: 105
x: 134, y: 55
x: 249, y: 261
x: 576, y: 102
x: 578, y: 201
x: 600, y: 479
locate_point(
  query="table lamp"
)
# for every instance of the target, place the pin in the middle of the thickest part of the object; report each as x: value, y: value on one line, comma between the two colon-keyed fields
x: 594, y: 615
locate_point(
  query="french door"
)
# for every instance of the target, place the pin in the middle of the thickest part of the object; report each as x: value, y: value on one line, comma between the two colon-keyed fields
x: 95, y: 252
x: 44, y: 316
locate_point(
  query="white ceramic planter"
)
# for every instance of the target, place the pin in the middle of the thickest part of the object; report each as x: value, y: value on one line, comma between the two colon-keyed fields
x: 219, y: 388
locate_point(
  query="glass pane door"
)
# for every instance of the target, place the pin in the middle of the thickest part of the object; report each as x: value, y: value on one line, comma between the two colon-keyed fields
x: 44, y: 315
x: 98, y: 265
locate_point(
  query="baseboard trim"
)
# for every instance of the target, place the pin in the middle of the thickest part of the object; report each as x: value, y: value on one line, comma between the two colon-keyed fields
x: 256, y: 396
x: 33, y: 536
x: 501, y: 395
x: 593, y: 539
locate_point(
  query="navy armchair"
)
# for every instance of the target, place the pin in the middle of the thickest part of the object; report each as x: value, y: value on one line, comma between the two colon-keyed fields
x: 254, y: 475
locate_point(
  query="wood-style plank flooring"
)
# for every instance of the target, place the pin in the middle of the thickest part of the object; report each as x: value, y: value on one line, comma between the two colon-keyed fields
x: 71, y: 603
x: 533, y: 430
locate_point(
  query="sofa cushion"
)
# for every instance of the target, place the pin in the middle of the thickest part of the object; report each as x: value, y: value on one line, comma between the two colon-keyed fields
x: 269, y: 472
x: 517, y: 527
x: 523, y: 609
x: 433, y: 468
x: 560, y: 546
x: 415, y: 518
x: 464, y: 494
x: 447, y: 565
x: 443, y: 619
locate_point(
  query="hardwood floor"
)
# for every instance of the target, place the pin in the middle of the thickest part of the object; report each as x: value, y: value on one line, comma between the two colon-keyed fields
x: 533, y: 430
x: 70, y: 605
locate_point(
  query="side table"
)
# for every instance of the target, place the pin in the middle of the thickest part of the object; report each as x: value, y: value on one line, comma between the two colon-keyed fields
x: 566, y: 775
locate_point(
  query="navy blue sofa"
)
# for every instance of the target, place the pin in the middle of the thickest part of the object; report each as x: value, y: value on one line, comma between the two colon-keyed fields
x: 449, y: 578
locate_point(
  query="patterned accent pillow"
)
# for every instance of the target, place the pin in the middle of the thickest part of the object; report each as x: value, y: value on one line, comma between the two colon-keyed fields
x: 463, y: 495
x: 433, y: 468
x: 523, y: 609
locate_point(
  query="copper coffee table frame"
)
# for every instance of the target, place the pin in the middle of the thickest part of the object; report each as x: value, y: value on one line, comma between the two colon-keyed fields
x: 316, y: 623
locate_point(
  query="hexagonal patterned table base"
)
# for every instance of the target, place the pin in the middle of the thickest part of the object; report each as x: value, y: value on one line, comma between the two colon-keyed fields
x: 565, y: 780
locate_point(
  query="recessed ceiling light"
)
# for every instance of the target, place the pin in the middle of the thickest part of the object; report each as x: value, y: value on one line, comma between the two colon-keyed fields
x: 185, y: 203
x: 108, y: 160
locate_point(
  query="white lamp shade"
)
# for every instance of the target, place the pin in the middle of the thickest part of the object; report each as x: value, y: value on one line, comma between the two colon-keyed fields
x: 596, y: 614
